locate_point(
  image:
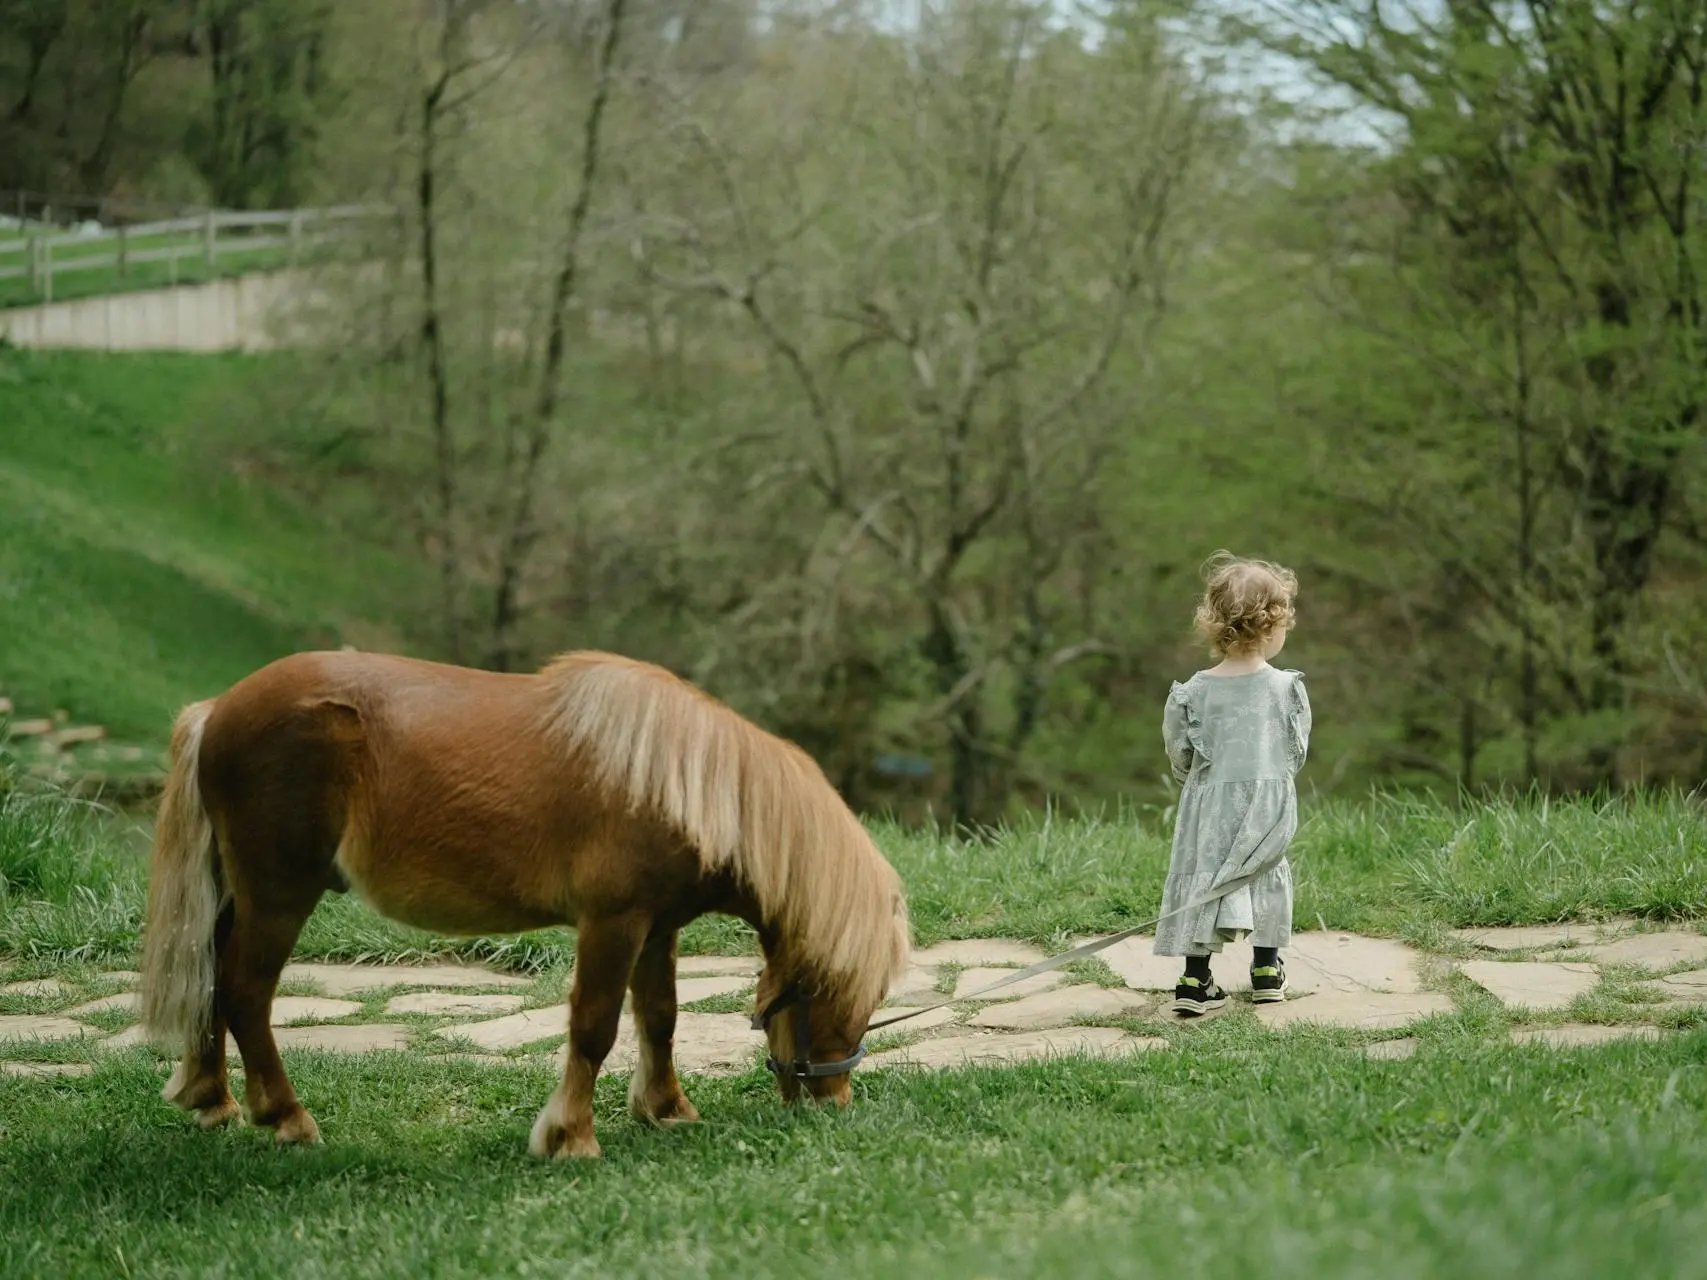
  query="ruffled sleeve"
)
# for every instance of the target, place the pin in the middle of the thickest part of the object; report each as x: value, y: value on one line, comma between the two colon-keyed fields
x: 1299, y: 720
x: 1182, y: 732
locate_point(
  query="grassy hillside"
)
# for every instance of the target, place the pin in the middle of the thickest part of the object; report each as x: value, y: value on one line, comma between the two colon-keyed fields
x: 136, y: 571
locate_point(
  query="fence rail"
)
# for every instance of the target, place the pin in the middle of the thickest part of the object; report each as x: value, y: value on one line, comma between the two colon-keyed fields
x: 46, y: 252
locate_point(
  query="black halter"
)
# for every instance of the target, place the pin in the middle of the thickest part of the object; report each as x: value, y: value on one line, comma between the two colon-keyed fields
x: 802, y: 1067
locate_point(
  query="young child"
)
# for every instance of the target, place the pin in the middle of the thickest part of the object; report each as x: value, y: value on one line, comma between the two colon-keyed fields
x: 1236, y: 736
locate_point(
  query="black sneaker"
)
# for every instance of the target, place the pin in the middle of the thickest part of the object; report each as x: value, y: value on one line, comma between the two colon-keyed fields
x: 1268, y: 983
x: 1194, y: 997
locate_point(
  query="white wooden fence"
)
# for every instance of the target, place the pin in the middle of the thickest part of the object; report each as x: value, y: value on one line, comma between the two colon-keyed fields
x: 203, y: 238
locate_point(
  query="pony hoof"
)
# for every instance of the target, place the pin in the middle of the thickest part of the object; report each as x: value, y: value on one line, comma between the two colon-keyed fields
x: 669, y: 1114
x: 560, y: 1146
x: 219, y: 1115
x: 298, y: 1128
x: 196, y: 1094
x: 550, y: 1140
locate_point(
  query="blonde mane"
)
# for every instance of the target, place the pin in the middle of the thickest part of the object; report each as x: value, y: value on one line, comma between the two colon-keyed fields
x: 749, y: 803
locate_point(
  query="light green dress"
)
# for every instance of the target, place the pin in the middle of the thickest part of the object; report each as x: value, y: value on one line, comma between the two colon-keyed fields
x: 1235, y: 744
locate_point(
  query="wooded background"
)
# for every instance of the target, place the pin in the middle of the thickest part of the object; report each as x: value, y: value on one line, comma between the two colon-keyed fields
x: 890, y: 369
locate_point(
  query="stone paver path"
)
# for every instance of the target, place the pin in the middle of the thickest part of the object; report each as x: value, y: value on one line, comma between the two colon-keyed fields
x: 1342, y: 980
x: 1359, y: 1010
x: 1532, y: 985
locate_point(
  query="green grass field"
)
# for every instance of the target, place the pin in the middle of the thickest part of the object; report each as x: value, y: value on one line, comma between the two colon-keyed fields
x: 1395, y: 867
x: 1251, y: 1152
x: 1297, y: 1159
x: 136, y: 572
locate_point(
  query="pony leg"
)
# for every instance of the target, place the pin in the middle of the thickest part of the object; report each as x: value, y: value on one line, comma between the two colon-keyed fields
x: 605, y: 950
x: 655, y: 1094
x: 249, y: 967
x: 200, y: 1084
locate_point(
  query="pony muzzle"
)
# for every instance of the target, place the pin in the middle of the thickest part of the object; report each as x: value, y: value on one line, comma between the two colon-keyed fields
x: 801, y: 1067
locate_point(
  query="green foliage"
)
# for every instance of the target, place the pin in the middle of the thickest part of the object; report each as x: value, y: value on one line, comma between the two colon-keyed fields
x: 69, y: 890
x: 138, y: 570
x: 837, y: 282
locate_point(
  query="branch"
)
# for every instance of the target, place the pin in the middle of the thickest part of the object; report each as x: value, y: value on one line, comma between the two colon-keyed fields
x: 523, y: 533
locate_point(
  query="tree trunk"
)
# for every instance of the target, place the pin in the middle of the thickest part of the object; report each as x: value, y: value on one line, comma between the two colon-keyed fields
x: 953, y: 667
x: 438, y: 380
x: 524, y: 533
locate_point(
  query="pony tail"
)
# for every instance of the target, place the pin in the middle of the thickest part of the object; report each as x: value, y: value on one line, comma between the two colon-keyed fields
x: 185, y: 898
x: 750, y: 803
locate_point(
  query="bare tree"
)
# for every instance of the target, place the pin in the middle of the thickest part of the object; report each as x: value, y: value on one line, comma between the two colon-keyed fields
x: 948, y: 325
x: 523, y: 528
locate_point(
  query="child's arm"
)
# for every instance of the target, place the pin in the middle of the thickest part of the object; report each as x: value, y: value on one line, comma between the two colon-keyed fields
x: 1302, y: 722
x: 1176, y: 735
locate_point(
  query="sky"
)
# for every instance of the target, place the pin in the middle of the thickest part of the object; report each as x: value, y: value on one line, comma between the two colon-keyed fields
x: 1245, y: 74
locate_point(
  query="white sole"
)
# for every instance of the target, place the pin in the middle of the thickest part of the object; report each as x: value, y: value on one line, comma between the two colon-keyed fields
x: 1192, y: 1008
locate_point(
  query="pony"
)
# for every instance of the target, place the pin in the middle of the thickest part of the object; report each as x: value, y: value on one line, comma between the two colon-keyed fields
x: 598, y: 792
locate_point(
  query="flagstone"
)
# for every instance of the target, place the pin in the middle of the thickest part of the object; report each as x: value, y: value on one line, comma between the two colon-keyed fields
x: 31, y: 1026
x: 337, y: 1037
x: 1574, y: 1034
x: 940, y: 1016
x: 706, y: 1044
x: 971, y: 980
x: 134, y: 1035
x: 1362, y: 1010
x: 123, y: 1002
x: 1392, y: 1050
x: 453, y: 1002
x: 1530, y: 937
x: 1685, y: 989
x: 1141, y: 969
x: 690, y: 989
x: 983, y: 952
x: 918, y: 983
x: 1659, y: 950
x: 1058, y: 1008
x: 1532, y: 984
x: 361, y: 1037
x: 1027, y: 1046
x: 1348, y: 962
x: 288, y: 1010
x: 699, y: 965
x: 46, y: 1070
x: 1315, y: 962
x: 516, y: 1030
x: 36, y: 988
x: 364, y: 979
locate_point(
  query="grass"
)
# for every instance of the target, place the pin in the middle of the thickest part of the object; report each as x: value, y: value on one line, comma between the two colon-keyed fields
x: 1391, y: 866
x: 137, y: 573
x: 1284, y: 1157
x: 1284, y: 1154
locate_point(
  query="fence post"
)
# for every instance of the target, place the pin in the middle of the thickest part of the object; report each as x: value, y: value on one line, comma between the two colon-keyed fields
x: 210, y: 229
x: 46, y: 269
x: 124, y: 250
x: 295, y: 237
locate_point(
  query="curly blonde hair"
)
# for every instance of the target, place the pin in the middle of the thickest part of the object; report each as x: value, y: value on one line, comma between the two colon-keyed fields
x: 1244, y: 602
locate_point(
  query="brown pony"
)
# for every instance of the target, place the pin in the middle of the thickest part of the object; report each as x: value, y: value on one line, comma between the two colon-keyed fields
x: 599, y: 792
